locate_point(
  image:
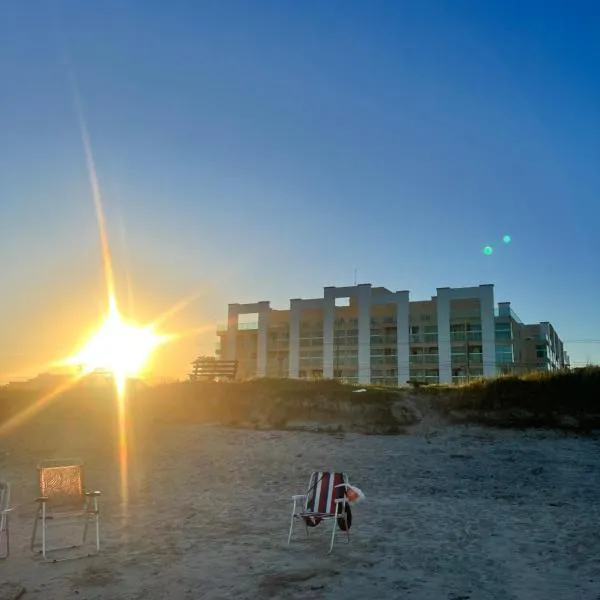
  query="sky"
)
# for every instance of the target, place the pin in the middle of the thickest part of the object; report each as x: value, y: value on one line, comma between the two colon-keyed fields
x: 263, y: 149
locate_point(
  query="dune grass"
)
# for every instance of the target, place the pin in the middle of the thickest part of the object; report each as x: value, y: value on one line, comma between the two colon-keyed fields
x: 565, y: 399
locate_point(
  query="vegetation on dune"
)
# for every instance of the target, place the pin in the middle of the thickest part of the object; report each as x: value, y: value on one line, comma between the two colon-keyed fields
x: 568, y: 400
x: 285, y: 404
x: 563, y: 399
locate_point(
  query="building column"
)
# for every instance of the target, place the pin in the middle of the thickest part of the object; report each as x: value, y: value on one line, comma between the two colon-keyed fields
x: 403, y: 336
x: 294, y: 341
x: 364, y: 333
x: 262, y: 339
x: 488, y: 329
x: 232, y: 328
x: 328, y: 331
x: 444, y: 343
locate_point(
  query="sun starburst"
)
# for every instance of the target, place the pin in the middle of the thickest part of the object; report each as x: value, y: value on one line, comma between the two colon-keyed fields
x: 122, y: 348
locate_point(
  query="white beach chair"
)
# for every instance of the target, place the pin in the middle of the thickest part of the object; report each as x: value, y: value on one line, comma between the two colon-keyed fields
x: 63, y: 496
x: 4, y: 514
x: 325, y: 500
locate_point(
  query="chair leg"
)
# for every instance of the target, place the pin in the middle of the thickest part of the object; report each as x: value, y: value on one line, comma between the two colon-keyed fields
x: 97, y: 518
x: 292, y: 524
x: 347, y: 531
x: 4, y: 533
x: 35, y: 526
x: 87, y: 520
x: 7, y: 533
x: 94, y: 514
x: 44, y: 530
x: 334, y: 521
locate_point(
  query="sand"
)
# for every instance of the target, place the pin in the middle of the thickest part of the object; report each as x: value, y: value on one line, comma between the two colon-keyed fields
x: 451, y: 513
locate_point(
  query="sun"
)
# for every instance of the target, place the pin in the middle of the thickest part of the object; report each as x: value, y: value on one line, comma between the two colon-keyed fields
x: 120, y: 347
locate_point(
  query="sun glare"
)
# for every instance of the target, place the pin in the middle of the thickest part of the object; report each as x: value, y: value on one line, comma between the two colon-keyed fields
x: 119, y: 347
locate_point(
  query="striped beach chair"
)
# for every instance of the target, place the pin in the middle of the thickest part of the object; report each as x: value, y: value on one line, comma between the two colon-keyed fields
x: 325, y: 500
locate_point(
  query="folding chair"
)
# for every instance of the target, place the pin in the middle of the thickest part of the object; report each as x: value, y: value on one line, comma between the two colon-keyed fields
x: 4, y: 513
x: 325, y: 500
x: 62, y: 495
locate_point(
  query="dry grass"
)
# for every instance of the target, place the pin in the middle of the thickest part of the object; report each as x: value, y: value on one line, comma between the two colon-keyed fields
x: 567, y: 400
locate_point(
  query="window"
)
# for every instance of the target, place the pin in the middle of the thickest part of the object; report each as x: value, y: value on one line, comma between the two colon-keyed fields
x: 503, y: 331
x: 342, y: 301
x: 504, y: 353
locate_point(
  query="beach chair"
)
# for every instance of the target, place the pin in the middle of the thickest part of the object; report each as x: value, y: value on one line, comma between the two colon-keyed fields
x: 64, y: 497
x: 4, y: 513
x: 325, y: 500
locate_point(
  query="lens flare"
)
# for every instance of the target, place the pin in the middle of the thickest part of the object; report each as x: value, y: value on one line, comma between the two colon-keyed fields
x: 119, y: 347
x: 487, y: 250
x: 507, y: 239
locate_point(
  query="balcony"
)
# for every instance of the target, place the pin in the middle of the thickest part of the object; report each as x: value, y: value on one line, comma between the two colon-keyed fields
x: 423, y: 338
x: 473, y: 358
x: 505, y: 311
x: 424, y: 359
x: 221, y: 327
x: 462, y: 336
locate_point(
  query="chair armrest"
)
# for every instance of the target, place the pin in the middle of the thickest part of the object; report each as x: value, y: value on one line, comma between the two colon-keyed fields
x: 340, y: 500
x: 93, y: 494
x: 298, y: 497
x: 42, y: 499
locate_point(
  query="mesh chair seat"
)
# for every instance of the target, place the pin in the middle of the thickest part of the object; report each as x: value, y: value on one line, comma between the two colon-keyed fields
x: 63, y: 495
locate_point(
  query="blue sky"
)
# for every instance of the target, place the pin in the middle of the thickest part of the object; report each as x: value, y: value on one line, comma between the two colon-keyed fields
x: 264, y: 149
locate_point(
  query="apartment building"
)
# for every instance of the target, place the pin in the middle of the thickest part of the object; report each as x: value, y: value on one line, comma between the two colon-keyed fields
x: 367, y: 334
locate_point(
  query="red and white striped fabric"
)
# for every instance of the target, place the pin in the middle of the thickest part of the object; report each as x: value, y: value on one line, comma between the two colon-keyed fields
x: 322, y: 494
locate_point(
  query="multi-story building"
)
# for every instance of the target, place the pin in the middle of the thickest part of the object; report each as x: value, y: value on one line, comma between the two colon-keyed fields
x: 368, y: 334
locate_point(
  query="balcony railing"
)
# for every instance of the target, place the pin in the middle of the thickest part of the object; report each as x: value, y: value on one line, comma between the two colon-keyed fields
x: 221, y: 327
x: 424, y: 359
x: 423, y: 338
x: 507, y: 312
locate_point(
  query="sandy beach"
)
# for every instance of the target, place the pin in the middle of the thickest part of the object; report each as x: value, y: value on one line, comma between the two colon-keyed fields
x: 452, y: 512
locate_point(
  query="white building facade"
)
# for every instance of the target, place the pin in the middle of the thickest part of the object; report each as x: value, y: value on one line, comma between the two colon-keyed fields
x: 365, y: 334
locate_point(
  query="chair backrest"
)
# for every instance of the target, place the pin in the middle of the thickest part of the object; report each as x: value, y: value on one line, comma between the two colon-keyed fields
x: 4, y: 496
x: 61, y: 482
x: 322, y: 491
